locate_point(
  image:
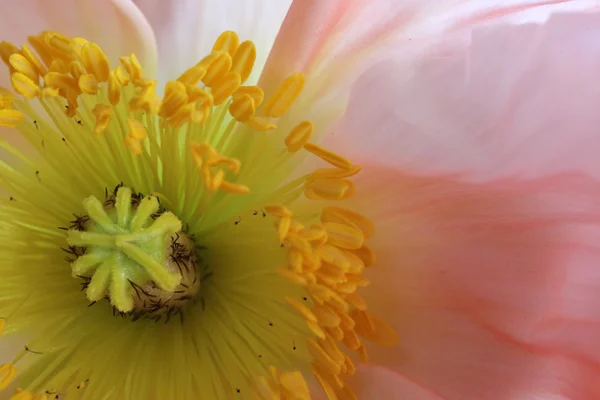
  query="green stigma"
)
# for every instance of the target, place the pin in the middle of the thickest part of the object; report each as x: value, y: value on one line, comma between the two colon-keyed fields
x: 124, y: 246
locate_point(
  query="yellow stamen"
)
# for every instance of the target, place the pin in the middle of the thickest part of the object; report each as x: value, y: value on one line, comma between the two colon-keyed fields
x: 227, y: 41
x: 329, y: 189
x: 284, y: 96
x: 242, y: 108
x: 22, y: 65
x: 103, y: 114
x: 10, y: 117
x: 224, y: 86
x: 243, y: 60
x: 7, y: 374
x: 95, y: 61
x: 261, y: 124
x: 255, y: 92
x: 136, y: 129
x: 192, y: 76
x: 114, y: 88
x: 217, y: 68
x: 24, y: 85
x: 88, y: 84
x: 328, y: 156
x: 299, y: 136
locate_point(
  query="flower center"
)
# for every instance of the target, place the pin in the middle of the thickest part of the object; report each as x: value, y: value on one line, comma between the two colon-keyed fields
x: 283, y: 301
x: 130, y: 251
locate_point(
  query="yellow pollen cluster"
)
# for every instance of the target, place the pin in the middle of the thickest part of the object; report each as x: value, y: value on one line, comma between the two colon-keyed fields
x: 283, y: 386
x: 328, y: 260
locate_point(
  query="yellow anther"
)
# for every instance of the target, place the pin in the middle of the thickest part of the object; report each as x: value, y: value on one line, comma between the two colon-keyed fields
x: 345, y: 216
x: 6, y: 98
x: 196, y: 93
x: 242, y: 108
x: 316, y: 329
x: 95, y: 61
x: 122, y: 75
x: 133, y: 145
x: 41, y: 49
x: 344, y: 236
x: 103, y: 114
x: 48, y: 92
x: 255, y: 92
x: 234, y: 188
x: 324, y: 382
x: 2, y: 325
x: 227, y: 41
x: 58, y: 65
x: 77, y: 70
x: 145, y: 99
x: 328, y: 156
x: 204, y: 150
x: 10, y: 117
x: 329, y: 189
x: 334, y: 173
x: 295, y: 384
x: 183, y: 115
x: 283, y: 228
x: 24, y: 85
x: 223, y: 87
x: 284, y: 96
x: 88, y: 84
x: 299, y: 136
x: 326, y: 316
x: 77, y: 44
x: 217, y: 68
x: 366, y: 255
x: 137, y: 130
x: 114, y: 88
x: 277, y: 210
x: 6, y: 50
x: 192, y: 76
x: 232, y: 164
x: 261, y: 124
x: 314, y: 233
x: 302, y: 309
x: 59, y: 44
x: 61, y: 81
x: 374, y: 329
x: 292, y: 276
x: 22, y: 64
x: 265, y: 390
x: 323, y: 358
x: 175, y: 98
x: 33, y: 59
x: 243, y: 59
x: 214, y: 182
x: 7, y: 374
x: 133, y: 67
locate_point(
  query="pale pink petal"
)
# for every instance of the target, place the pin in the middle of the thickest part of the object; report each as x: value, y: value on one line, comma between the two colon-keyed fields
x: 520, y: 99
x: 493, y: 288
x: 333, y: 42
x: 374, y: 382
x: 186, y: 29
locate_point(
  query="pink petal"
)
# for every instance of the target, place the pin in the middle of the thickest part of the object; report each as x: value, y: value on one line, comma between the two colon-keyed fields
x: 334, y: 42
x: 116, y: 25
x: 519, y: 99
x: 493, y: 288
x: 186, y: 29
x: 374, y: 382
